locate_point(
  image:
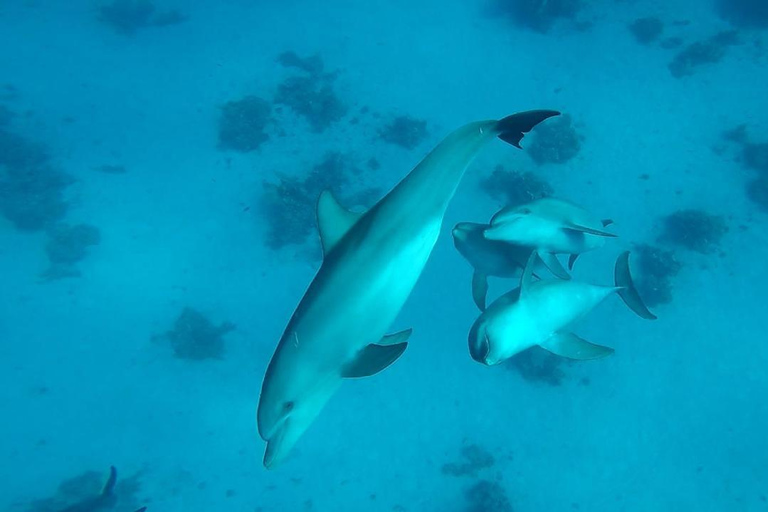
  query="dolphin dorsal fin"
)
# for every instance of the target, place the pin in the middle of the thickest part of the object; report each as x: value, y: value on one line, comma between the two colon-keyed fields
x: 527, y: 277
x: 333, y: 220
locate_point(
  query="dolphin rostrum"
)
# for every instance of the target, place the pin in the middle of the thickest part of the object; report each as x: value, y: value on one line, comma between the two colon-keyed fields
x: 552, y: 226
x: 539, y: 313
x: 371, y: 262
x: 490, y: 258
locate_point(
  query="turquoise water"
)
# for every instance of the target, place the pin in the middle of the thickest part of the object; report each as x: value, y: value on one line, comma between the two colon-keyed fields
x: 125, y: 200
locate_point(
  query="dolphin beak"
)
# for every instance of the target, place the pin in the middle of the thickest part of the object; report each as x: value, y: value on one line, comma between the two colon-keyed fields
x: 275, y: 451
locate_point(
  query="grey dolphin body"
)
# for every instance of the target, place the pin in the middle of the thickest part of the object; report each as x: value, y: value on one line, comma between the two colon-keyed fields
x: 540, y: 313
x: 371, y: 263
x: 490, y: 257
x: 104, y: 501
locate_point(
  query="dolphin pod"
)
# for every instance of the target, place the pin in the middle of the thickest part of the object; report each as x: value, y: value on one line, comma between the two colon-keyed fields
x: 371, y: 262
x: 551, y: 226
x: 540, y: 312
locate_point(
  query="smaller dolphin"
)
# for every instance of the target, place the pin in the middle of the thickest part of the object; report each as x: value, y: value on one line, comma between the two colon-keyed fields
x: 538, y: 313
x: 552, y: 226
x: 490, y: 258
x: 106, y: 500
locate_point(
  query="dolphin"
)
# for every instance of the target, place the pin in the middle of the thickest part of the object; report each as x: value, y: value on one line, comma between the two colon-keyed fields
x: 552, y: 226
x: 371, y: 262
x: 539, y: 313
x: 106, y: 500
x: 490, y: 258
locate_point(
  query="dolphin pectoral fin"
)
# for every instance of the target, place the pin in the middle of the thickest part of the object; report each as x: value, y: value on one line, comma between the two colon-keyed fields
x: 512, y: 128
x: 571, y: 260
x: 372, y: 359
x: 333, y: 220
x: 109, y: 487
x: 567, y: 344
x: 398, y: 337
x: 479, y: 289
x: 589, y: 231
x: 527, y: 276
x: 554, y: 265
x: 627, y: 290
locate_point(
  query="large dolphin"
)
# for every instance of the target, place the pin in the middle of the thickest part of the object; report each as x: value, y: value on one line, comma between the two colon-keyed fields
x: 540, y: 313
x: 490, y: 258
x: 552, y: 226
x: 370, y: 265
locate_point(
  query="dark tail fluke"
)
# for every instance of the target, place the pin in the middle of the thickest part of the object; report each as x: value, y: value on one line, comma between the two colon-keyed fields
x: 513, y: 128
x: 628, y: 292
x: 109, y: 487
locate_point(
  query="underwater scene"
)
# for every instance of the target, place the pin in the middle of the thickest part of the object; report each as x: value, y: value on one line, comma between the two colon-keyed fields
x: 396, y: 256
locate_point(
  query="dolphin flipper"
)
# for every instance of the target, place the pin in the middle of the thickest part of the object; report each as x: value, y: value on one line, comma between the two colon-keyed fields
x: 554, y: 265
x: 398, y: 337
x: 513, y: 128
x: 479, y: 289
x: 627, y: 291
x: 589, y: 231
x: 372, y: 359
x: 567, y: 344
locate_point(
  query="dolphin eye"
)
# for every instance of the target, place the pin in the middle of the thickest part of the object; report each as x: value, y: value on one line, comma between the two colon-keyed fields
x: 524, y: 211
x: 288, y: 407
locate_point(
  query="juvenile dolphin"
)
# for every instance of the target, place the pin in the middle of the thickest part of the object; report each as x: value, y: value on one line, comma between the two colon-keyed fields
x: 370, y: 265
x: 539, y: 313
x: 490, y: 258
x: 552, y: 226
x: 104, y: 501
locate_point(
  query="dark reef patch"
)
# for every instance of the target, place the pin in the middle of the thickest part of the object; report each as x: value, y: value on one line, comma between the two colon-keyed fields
x: 129, y: 16
x: 538, y: 15
x: 313, y: 98
x: 656, y: 268
x: 404, y: 131
x: 313, y: 65
x: 538, y: 365
x: 243, y: 124
x: 473, y: 459
x: 194, y: 337
x: 487, y: 496
x: 702, y: 53
x: 755, y: 157
x: 744, y: 13
x: 555, y: 141
x: 695, y: 230
x: 288, y: 206
x: 515, y: 188
x: 66, y: 247
x: 646, y: 30
x: 757, y: 192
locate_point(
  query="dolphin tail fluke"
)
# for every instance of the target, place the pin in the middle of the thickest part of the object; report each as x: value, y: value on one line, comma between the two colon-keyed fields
x: 627, y: 290
x: 373, y: 359
x: 567, y: 344
x: 513, y: 128
x: 553, y: 264
x: 479, y: 289
x: 109, y: 487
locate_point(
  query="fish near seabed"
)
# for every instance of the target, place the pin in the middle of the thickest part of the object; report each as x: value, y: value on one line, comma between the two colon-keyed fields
x: 104, y: 501
x: 540, y: 313
x: 371, y: 262
x: 552, y: 226
x: 490, y: 258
